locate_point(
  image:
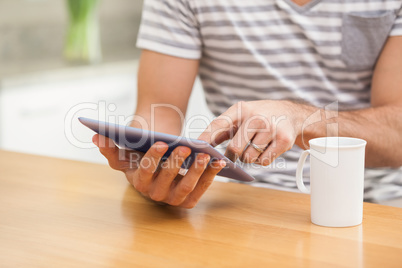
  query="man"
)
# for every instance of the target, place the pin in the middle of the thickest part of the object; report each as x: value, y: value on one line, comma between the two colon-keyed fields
x: 276, y: 73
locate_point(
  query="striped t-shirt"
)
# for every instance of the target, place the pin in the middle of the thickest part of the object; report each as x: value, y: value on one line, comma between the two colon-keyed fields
x: 322, y: 53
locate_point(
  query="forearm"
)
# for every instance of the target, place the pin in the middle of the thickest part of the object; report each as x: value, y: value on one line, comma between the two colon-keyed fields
x: 161, y: 119
x: 381, y: 127
x: 164, y: 88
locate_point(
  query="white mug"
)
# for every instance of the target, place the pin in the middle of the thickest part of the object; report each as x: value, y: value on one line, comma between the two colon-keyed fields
x: 336, y: 180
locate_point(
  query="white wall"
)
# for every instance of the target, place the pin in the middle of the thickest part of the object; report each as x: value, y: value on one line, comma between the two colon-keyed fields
x: 33, y: 108
x: 33, y: 33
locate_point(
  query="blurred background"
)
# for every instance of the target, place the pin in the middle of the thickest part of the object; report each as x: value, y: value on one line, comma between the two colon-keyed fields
x: 51, y: 73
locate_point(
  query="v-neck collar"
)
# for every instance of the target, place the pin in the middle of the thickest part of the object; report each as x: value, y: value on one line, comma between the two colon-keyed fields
x: 302, y: 8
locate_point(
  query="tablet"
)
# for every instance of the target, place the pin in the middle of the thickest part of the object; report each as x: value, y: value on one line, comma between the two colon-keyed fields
x: 141, y: 140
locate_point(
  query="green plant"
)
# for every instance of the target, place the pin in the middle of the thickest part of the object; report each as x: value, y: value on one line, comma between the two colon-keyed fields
x: 83, y: 39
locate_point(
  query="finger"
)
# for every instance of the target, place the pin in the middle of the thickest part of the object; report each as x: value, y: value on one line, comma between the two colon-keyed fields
x: 133, y: 158
x: 224, y: 127
x: 109, y: 150
x: 143, y: 177
x: 103, y: 142
x: 189, y: 181
x: 220, y: 130
x: 118, y: 159
x: 274, y: 150
x: 169, y: 170
x: 261, y: 139
x: 239, y: 143
x: 203, y: 183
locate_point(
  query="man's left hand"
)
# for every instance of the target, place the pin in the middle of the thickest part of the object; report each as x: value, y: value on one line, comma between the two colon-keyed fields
x: 260, y: 131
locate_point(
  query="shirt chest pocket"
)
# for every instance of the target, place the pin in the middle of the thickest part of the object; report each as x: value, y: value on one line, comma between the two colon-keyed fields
x: 363, y: 37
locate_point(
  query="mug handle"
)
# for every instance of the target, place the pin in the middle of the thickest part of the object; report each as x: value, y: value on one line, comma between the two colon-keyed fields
x: 299, y: 172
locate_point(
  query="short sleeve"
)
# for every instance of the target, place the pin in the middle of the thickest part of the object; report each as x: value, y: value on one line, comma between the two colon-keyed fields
x: 170, y: 27
x: 397, y: 28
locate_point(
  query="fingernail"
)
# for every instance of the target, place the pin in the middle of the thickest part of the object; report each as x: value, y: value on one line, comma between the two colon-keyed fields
x: 202, y: 158
x: 222, y: 163
x: 219, y: 164
x: 96, y: 143
x: 184, y: 150
x: 161, y: 147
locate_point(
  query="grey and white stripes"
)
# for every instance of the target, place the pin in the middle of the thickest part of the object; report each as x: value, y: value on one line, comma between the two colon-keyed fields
x: 274, y: 49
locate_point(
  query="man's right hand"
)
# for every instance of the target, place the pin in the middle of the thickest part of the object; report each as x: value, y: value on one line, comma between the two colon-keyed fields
x: 160, y: 180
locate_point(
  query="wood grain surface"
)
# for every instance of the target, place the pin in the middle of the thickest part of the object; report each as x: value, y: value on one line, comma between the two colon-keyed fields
x: 61, y: 213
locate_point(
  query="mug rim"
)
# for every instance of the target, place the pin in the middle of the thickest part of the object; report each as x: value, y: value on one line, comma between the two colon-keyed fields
x: 315, y: 142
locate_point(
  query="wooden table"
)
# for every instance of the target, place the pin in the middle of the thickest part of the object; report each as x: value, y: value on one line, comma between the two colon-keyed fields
x: 59, y: 213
